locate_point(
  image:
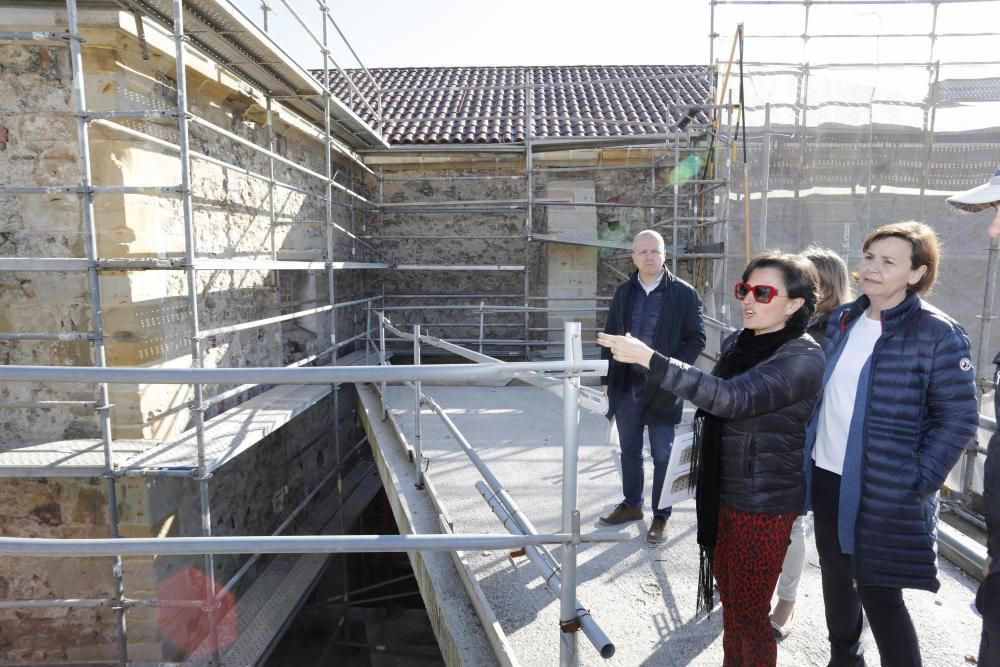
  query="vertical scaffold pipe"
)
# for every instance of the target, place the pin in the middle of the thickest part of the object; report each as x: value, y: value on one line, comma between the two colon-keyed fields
x: 184, y: 141
x: 381, y: 349
x: 417, y: 435
x: 982, y: 359
x: 97, y: 312
x: 568, y: 618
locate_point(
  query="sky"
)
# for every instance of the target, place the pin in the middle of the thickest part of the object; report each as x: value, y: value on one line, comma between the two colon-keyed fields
x: 402, y: 33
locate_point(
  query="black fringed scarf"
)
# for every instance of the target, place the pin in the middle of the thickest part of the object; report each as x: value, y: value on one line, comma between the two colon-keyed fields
x: 748, y: 351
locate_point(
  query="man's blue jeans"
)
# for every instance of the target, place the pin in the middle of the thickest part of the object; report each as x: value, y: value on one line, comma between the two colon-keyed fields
x: 628, y: 417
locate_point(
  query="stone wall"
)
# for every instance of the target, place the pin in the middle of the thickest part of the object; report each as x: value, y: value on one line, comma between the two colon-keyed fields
x: 251, y: 495
x: 147, y: 315
x: 481, y: 235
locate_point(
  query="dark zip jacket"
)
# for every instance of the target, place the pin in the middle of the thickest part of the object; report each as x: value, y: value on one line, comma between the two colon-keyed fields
x: 764, y: 411
x: 991, y: 480
x: 679, y: 333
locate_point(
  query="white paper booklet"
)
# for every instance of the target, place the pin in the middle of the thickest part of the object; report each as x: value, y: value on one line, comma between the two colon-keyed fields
x: 678, y: 485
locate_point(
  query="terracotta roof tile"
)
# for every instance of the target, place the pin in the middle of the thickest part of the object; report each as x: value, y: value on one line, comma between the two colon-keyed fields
x: 440, y: 105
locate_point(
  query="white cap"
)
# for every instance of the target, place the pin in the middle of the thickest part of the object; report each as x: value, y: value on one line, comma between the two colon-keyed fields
x: 979, y: 198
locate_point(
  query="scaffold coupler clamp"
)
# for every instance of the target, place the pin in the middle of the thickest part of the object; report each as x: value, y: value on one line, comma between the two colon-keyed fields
x: 517, y: 553
x: 570, y: 626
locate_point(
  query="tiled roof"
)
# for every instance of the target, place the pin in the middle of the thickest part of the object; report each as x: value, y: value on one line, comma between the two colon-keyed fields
x: 487, y: 105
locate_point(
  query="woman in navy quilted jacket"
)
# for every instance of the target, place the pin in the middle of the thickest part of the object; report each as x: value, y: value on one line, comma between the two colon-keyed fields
x: 898, y: 407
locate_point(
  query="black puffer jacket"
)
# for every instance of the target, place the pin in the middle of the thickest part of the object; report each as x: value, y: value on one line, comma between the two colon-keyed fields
x: 991, y: 480
x: 764, y: 412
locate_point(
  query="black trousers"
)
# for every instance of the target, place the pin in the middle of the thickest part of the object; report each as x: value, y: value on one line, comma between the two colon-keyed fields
x: 988, y: 603
x: 844, y: 600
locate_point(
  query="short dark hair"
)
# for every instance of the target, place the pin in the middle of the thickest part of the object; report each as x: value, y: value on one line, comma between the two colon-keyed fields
x: 800, y: 279
x: 925, y: 249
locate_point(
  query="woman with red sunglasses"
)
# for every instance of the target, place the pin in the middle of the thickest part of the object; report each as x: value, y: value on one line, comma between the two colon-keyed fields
x: 750, y: 428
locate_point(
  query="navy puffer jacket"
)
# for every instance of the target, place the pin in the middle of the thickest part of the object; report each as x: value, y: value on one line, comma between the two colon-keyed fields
x: 914, y: 414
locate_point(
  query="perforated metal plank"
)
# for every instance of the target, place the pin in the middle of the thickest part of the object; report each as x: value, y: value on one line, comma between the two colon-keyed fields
x: 234, y: 431
x: 264, y: 610
x: 64, y: 458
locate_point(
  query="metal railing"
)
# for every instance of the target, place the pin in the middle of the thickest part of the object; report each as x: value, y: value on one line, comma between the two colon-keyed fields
x: 573, y: 615
x: 559, y: 578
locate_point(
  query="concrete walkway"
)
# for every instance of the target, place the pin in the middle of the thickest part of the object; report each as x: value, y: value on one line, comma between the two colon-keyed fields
x: 643, y: 597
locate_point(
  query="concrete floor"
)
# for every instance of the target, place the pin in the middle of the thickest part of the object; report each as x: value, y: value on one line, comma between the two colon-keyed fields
x: 643, y: 597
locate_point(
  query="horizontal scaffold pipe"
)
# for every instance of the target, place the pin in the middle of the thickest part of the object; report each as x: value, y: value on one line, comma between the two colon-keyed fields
x: 253, y: 324
x: 43, y: 335
x: 271, y: 154
x: 44, y: 264
x: 35, y: 36
x: 226, y: 165
x: 459, y: 267
x: 271, y: 544
x: 590, y: 399
x: 157, y: 264
x: 315, y: 375
x: 493, y: 309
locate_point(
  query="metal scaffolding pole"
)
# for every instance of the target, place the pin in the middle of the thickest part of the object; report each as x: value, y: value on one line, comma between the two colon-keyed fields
x: 198, y: 410
x: 417, y: 405
x: 569, y: 621
x: 97, y: 312
x: 269, y: 121
x: 289, y: 544
x: 529, y: 128
x: 547, y: 568
x: 984, y: 381
x: 677, y: 186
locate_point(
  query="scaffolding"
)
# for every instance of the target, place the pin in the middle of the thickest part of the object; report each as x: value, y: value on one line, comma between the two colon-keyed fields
x: 236, y: 46
x: 339, y: 193
x: 349, y: 202
x: 683, y: 209
x: 858, y: 113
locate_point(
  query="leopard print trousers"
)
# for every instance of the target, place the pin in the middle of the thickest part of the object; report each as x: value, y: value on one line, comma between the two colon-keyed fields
x: 749, y: 551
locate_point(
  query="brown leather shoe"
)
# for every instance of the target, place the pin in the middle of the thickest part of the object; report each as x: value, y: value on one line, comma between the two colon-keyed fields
x: 657, y: 533
x: 622, y: 513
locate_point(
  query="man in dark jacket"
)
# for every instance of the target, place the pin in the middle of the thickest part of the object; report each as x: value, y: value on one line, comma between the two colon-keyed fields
x: 665, y: 313
x: 978, y: 199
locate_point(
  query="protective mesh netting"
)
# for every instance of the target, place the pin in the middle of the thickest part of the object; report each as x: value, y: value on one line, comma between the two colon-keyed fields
x: 858, y: 115
x: 877, y: 115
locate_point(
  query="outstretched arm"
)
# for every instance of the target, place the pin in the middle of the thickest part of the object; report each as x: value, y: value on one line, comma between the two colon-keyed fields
x: 766, y: 387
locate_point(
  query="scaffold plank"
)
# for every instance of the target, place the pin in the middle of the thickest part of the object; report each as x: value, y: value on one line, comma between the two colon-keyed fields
x: 263, y: 611
x: 233, y: 432
x: 65, y: 458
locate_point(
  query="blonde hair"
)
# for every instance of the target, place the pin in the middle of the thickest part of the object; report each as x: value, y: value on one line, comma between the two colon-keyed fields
x: 834, y: 289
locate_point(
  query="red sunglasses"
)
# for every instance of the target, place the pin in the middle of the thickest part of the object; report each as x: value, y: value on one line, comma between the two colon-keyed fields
x: 761, y: 293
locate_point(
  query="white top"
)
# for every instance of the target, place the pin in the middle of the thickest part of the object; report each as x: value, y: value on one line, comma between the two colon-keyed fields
x: 659, y: 279
x: 839, y: 394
